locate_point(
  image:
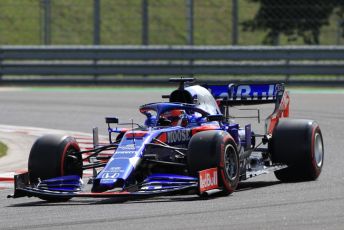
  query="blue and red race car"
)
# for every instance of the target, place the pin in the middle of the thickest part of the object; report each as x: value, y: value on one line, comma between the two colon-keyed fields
x: 188, y: 144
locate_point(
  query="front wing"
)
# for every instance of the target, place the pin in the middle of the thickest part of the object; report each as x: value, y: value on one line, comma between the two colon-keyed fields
x: 24, y: 189
x: 158, y: 185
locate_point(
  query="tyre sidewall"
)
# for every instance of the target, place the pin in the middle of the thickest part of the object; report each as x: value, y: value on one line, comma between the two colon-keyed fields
x: 315, y: 170
x: 47, y: 157
x: 206, y: 150
x: 227, y: 183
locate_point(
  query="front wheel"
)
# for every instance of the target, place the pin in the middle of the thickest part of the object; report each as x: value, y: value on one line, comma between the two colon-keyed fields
x: 215, y: 148
x: 54, y: 156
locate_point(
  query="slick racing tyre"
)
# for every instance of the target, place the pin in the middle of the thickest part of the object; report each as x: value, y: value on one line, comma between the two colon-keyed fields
x: 298, y: 144
x: 209, y: 149
x: 54, y: 156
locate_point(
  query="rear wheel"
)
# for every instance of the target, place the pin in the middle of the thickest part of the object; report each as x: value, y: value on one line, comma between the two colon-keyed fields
x: 54, y: 156
x: 215, y: 148
x: 299, y: 144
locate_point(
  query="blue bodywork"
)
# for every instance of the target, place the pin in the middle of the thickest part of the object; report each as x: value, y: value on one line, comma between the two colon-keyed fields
x: 200, y: 106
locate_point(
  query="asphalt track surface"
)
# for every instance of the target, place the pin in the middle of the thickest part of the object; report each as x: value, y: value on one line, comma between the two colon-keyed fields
x: 260, y: 203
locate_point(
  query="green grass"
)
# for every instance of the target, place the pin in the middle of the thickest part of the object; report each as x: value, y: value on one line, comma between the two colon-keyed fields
x: 72, y: 23
x: 3, y: 149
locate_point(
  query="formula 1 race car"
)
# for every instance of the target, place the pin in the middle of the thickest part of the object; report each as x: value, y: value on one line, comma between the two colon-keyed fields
x: 189, y: 144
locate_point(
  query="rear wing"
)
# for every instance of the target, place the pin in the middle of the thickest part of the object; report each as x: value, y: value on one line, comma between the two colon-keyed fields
x: 253, y: 94
x: 246, y: 94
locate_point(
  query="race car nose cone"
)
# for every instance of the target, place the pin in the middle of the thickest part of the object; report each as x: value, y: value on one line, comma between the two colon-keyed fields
x: 102, y: 185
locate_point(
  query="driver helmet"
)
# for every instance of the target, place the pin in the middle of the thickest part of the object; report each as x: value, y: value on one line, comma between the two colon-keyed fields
x: 175, y: 116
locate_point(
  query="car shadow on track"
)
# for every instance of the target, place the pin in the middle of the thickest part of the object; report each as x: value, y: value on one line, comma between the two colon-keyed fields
x: 105, y: 201
x: 243, y: 186
x: 72, y: 202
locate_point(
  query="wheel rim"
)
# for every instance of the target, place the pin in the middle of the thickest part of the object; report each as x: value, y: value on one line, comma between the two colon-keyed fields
x: 72, y: 163
x: 231, y: 162
x: 318, y: 150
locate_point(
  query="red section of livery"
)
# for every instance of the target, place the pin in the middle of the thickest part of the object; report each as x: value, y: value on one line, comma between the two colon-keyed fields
x: 204, y: 128
x: 163, y: 137
x: 282, y: 110
x: 133, y: 135
x: 208, y: 180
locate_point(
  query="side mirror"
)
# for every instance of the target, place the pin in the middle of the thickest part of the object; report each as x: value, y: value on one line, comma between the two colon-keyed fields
x: 111, y: 120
